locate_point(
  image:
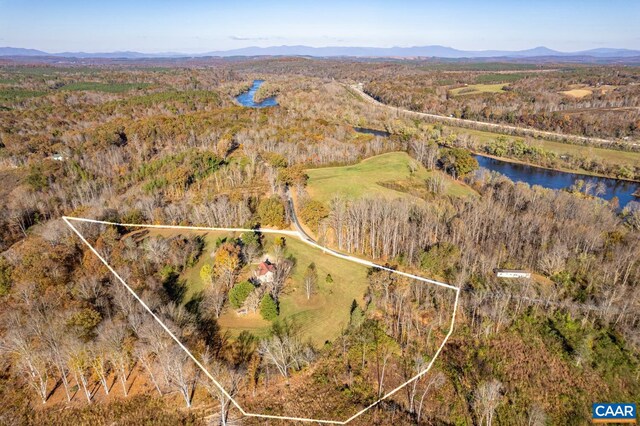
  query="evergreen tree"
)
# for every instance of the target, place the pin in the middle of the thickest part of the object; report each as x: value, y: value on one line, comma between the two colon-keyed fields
x: 268, y: 308
x: 239, y: 293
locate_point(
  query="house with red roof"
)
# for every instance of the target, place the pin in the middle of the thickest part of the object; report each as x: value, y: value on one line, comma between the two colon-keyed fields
x: 265, y: 273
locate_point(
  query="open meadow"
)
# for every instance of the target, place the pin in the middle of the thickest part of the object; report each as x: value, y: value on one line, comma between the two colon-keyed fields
x: 474, y: 89
x: 374, y: 177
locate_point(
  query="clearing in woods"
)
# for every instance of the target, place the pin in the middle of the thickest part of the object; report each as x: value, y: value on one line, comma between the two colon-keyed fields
x: 319, y: 318
x: 579, y: 92
x: 377, y: 176
x: 474, y: 89
x: 326, y: 260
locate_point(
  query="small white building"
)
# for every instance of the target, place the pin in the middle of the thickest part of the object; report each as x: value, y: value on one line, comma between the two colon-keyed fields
x: 511, y: 273
x: 57, y: 157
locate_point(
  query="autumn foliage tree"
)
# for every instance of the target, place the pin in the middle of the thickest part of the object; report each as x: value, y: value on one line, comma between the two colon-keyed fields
x: 458, y: 162
x: 226, y: 262
x: 271, y: 212
x: 312, y: 212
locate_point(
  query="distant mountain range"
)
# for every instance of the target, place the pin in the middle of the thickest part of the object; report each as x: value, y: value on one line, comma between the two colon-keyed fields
x: 337, y: 51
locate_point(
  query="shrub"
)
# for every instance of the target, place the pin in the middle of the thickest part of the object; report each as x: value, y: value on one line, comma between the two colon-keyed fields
x: 36, y: 179
x: 206, y: 274
x: 85, y: 321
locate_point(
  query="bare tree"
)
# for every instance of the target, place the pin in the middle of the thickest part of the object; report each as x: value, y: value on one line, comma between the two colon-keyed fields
x: 486, y: 399
x: 153, y: 343
x: 112, y: 335
x: 181, y: 372
x: 282, y: 272
x: 252, y: 302
x: 310, y: 280
x: 57, y: 341
x: 554, y: 261
x: 536, y: 416
x: 229, y: 378
x: 434, y: 382
x: 214, y: 298
x: 147, y: 359
x: 79, y: 362
x: 98, y: 359
x: 31, y: 359
x: 285, y: 350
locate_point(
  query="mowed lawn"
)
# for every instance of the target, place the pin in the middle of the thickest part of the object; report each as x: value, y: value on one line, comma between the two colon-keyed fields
x: 473, y: 89
x: 373, y: 176
x: 560, y: 148
x: 320, y: 318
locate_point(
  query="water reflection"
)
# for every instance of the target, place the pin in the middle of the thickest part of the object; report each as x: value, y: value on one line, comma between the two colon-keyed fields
x: 554, y: 179
x: 247, y: 98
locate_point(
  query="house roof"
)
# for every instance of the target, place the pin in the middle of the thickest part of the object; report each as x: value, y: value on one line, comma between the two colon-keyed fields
x: 265, y: 267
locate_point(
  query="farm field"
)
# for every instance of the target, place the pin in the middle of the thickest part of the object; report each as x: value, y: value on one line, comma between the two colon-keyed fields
x: 611, y: 155
x: 373, y: 176
x: 580, y: 92
x: 577, y: 93
x: 474, y: 89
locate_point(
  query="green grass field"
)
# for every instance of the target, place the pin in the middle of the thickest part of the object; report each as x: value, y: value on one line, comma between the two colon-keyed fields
x: 474, y: 89
x: 323, y: 316
x: 608, y: 155
x: 320, y: 318
x: 373, y: 176
x: 104, y: 87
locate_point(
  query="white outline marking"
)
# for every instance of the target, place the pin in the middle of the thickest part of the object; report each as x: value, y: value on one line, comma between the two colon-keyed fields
x: 67, y: 220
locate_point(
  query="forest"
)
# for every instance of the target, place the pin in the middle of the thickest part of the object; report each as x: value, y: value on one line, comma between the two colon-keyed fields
x: 166, y: 143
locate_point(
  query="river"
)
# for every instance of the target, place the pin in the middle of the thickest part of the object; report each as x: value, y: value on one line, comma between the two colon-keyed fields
x: 559, y: 180
x: 248, y: 98
x: 553, y: 179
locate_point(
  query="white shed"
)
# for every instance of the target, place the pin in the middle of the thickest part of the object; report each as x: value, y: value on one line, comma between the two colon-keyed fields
x: 512, y: 273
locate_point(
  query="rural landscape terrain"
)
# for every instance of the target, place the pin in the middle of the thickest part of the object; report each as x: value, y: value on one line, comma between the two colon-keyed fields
x: 288, y: 328
x: 272, y: 219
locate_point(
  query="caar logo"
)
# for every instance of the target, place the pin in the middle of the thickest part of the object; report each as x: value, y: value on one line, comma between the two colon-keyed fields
x: 613, y: 413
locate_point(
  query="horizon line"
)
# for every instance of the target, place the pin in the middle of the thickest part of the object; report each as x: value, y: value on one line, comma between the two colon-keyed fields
x: 253, y: 46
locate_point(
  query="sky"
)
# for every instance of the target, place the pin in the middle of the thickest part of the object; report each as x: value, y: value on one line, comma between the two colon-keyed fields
x: 200, y: 26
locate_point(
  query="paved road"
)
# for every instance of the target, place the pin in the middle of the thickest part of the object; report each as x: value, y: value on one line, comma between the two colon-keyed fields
x: 494, y: 126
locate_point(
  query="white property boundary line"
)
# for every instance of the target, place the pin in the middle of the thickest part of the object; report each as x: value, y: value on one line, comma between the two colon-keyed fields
x: 68, y: 219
